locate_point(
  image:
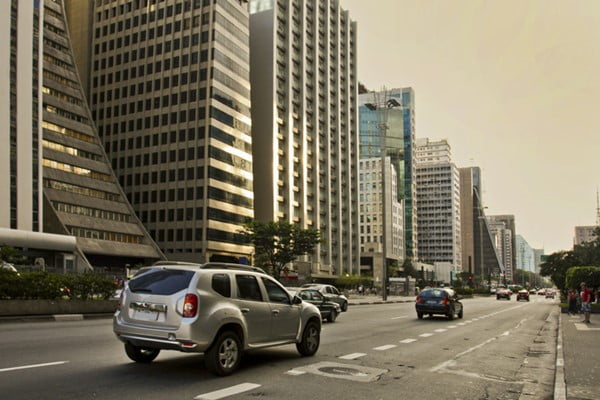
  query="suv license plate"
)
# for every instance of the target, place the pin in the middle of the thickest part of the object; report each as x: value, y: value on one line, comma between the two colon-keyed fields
x: 145, y: 315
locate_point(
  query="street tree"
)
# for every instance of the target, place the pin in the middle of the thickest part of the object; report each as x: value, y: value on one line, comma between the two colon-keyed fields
x: 408, y: 268
x: 556, y: 266
x: 279, y: 243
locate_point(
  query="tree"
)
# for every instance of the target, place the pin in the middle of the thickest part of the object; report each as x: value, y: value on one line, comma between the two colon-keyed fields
x: 556, y: 266
x: 279, y: 243
x: 588, y: 253
x: 10, y: 255
x: 408, y: 268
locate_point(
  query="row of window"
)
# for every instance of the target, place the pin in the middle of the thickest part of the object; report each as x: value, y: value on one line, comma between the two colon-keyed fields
x: 105, y: 235
x: 84, y: 191
x: 73, y: 169
x: 71, y: 150
x: 189, y: 234
x: 68, y: 132
x: 91, y: 212
x: 191, y: 214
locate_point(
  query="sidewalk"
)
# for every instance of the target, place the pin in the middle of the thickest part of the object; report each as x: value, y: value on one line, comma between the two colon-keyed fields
x: 357, y: 299
x: 580, y: 352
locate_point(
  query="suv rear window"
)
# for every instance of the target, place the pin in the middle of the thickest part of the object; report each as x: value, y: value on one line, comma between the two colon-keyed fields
x: 433, y: 293
x: 161, y: 281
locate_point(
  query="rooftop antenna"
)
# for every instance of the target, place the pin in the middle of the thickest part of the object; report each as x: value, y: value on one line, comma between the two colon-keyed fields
x: 597, y: 207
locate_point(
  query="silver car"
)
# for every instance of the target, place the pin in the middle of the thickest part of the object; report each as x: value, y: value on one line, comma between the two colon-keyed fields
x: 331, y: 293
x: 218, y: 309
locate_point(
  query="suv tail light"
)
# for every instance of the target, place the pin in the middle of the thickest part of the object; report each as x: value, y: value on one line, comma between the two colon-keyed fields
x: 445, y: 301
x: 190, y: 305
x: 419, y: 300
x: 120, y: 303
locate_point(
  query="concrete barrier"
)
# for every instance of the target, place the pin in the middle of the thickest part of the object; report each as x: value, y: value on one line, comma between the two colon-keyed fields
x: 10, y: 308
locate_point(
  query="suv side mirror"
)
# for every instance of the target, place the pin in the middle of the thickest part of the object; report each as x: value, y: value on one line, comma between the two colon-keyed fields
x: 296, y: 300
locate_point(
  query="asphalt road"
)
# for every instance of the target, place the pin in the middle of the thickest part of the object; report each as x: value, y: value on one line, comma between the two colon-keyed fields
x: 499, y: 350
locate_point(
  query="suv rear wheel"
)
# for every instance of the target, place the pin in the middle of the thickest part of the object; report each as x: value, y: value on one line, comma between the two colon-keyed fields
x: 311, y: 338
x: 224, y: 355
x: 140, y: 354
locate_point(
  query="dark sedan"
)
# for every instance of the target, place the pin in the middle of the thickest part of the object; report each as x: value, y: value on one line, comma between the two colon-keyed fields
x: 523, y: 295
x: 439, y: 301
x: 330, y: 292
x: 329, y: 310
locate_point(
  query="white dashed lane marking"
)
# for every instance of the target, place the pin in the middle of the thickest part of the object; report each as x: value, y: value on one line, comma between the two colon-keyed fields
x: 385, y: 347
x: 33, y: 366
x: 406, y: 341
x: 230, y: 391
x: 353, y: 356
x: 425, y: 334
x: 440, y: 330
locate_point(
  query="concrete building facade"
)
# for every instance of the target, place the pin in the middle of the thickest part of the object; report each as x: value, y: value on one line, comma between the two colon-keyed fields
x: 169, y: 89
x: 438, y: 204
x: 65, y: 210
x: 393, y: 110
x: 305, y: 134
x: 373, y: 227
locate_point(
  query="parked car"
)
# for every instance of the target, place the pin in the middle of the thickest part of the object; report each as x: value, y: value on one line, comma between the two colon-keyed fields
x: 331, y: 293
x: 523, y: 295
x: 439, y: 301
x: 503, y: 294
x: 221, y: 310
x: 329, y: 310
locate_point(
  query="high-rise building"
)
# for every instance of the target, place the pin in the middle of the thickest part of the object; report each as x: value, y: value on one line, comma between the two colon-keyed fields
x: 304, y: 124
x: 438, y: 204
x: 525, y: 256
x: 481, y: 247
x: 509, y: 257
x: 394, y: 111
x: 169, y: 90
x: 66, y: 211
x: 372, y: 223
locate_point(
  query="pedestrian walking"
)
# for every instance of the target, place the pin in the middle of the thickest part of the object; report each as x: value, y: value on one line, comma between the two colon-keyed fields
x: 572, y: 302
x: 586, y: 302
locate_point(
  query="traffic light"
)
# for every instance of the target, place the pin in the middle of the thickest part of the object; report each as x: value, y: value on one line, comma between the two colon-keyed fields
x: 470, y: 277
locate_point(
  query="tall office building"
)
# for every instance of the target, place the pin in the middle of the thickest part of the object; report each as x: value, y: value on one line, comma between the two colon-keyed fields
x: 509, y: 254
x: 394, y: 110
x: 481, y: 247
x: 304, y: 115
x: 438, y: 204
x: 525, y: 256
x: 170, y: 93
x: 374, y: 228
x: 64, y: 209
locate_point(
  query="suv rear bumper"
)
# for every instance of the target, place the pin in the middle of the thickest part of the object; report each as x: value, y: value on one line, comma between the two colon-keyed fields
x: 157, y: 338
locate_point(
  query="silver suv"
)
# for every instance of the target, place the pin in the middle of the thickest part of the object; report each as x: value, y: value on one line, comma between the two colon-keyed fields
x: 217, y: 309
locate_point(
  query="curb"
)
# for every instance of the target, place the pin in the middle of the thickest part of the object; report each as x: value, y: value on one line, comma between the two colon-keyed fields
x: 560, y: 387
x: 54, y: 317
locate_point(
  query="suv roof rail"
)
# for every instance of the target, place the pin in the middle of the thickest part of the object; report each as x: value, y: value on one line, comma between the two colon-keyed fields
x: 242, y: 267
x: 159, y: 263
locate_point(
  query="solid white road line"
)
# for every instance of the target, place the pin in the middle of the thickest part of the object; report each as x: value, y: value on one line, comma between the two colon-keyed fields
x: 385, y: 347
x: 33, y: 366
x: 230, y: 391
x: 352, y: 356
x: 406, y: 341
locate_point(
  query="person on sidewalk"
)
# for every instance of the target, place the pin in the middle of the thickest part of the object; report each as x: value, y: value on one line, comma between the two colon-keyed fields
x: 572, y: 302
x: 586, y: 302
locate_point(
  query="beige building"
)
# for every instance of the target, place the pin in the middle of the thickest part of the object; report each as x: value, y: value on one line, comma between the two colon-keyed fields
x: 169, y: 90
x: 304, y: 132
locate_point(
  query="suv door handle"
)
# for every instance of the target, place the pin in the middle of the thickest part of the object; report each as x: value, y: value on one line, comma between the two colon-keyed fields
x: 275, y: 312
x: 244, y: 310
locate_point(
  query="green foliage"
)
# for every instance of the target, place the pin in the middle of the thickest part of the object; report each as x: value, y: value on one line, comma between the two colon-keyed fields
x: 556, y: 266
x: 10, y: 255
x: 279, y: 243
x: 464, y: 291
x: 408, y: 268
x: 576, y: 275
x: 50, y: 286
x: 352, y: 281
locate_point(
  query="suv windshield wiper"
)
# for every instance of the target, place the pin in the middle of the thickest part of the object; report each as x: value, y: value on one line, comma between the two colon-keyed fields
x: 141, y: 290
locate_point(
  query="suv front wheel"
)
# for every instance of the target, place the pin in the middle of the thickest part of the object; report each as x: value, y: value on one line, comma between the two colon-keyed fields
x: 224, y: 355
x: 311, y: 338
x: 139, y: 354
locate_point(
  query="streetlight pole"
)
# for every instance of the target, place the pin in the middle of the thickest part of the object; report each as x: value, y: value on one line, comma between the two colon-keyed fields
x: 382, y: 130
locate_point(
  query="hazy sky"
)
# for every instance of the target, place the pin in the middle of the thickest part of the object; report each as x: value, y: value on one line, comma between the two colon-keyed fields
x: 515, y: 88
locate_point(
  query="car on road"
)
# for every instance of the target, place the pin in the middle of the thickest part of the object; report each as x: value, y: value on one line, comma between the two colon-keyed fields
x: 550, y: 294
x: 523, y: 295
x: 331, y: 293
x: 439, y: 301
x: 219, y: 309
x: 503, y: 294
x: 329, y: 310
